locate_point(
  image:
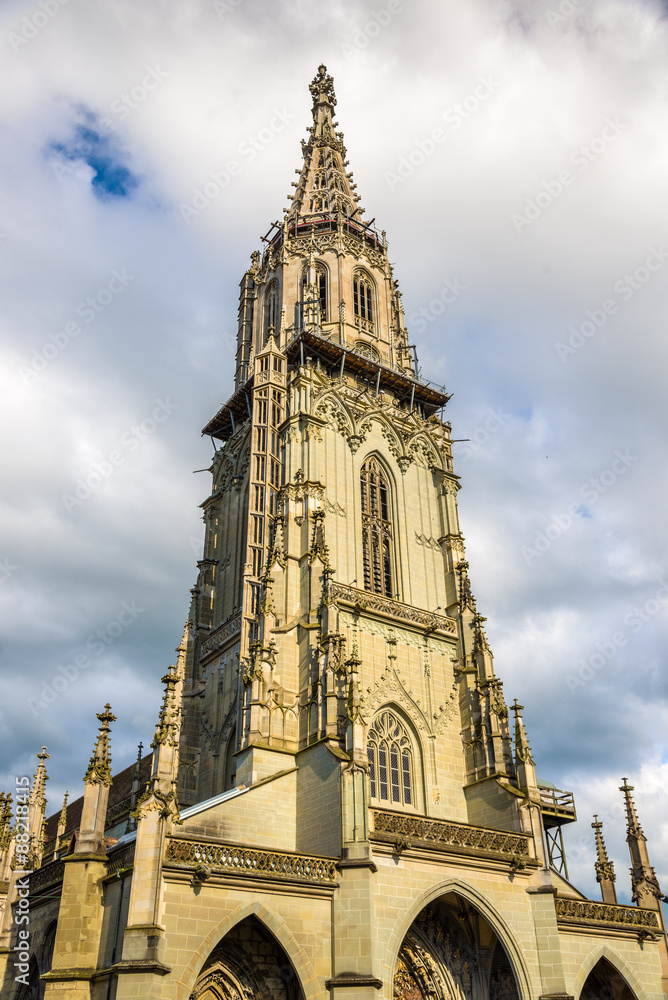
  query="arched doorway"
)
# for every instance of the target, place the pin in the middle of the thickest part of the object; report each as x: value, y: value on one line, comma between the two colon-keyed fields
x: 248, y: 964
x: 452, y: 953
x: 605, y: 983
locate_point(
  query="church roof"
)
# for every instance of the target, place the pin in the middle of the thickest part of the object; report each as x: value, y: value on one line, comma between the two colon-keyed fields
x: 120, y: 790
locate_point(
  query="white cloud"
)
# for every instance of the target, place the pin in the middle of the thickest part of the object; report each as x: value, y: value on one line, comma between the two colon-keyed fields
x: 221, y: 80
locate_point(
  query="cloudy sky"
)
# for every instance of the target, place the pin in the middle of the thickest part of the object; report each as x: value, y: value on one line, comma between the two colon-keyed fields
x: 515, y: 152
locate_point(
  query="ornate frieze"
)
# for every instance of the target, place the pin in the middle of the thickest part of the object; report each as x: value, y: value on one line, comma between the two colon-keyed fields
x: 51, y: 874
x: 220, y: 636
x: 580, y: 911
x: 247, y: 860
x: 366, y: 601
x: 121, y: 860
x: 437, y: 833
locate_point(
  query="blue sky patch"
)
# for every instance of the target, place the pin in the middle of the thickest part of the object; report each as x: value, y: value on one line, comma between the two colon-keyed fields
x: 92, y: 144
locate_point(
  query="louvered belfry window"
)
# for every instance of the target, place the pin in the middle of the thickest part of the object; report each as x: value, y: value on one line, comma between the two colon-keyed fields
x: 376, y: 528
x: 362, y: 297
x: 390, y: 761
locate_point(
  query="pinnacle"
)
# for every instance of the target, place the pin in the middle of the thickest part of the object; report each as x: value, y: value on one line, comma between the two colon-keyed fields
x: 325, y: 186
x: 99, y: 768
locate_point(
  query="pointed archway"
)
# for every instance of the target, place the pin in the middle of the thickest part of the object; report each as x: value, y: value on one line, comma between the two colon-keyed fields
x: 451, y: 952
x: 248, y: 964
x: 604, y: 982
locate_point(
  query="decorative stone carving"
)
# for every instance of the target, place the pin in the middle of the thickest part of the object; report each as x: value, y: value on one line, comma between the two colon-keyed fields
x: 580, y: 911
x: 366, y: 601
x: 234, y: 859
x: 467, y: 839
x: 222, y: 635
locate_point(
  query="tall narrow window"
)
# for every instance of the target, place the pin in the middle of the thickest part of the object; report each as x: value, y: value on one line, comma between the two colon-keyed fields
x: 320, y: 280
x: 390, y: 758
x: 271, y: 309
x: 363, y: 301
x: 376, y: 529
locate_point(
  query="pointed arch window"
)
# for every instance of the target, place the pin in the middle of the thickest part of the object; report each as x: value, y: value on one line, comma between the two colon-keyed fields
x: 376, y: 528
x: 363, y: 301
x: 271, y: 309
x: 391, y: 766
x: 320, y: 281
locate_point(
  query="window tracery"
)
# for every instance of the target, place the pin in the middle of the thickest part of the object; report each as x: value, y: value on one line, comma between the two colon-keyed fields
x: 320, y: 280
x: 376, y: 528
x: 390, y: 755
x: 363, y: 308
x: 271, y: 308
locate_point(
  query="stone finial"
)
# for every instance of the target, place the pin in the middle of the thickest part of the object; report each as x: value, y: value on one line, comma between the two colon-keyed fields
x: 99, y: 768
x: 322, y: 87
x: 62, y: 819
x: 5, y: 823
x: 604, y: 868
x: 646, y: 891
x: 632, y: 822
x: 522, y: 748
x: 40, y: 778
x: 165, y: 731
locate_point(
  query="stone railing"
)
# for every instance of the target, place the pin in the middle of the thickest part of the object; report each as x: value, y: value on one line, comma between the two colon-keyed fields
x: 580, y: 911
x: 122, y: 859
x: 221, y: 634
x: 459, y: 837
x: 50, y: 874
x: 366, y: 601
x: 250, y: 861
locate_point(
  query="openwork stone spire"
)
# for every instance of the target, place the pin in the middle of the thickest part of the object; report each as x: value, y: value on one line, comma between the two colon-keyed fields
x: 166, y: 730
x: 605, y: 870
x: 324, y: 185
x: 40, y: 778
x: 522, y: 748
x: 99, y: 768
x: 644, y: 883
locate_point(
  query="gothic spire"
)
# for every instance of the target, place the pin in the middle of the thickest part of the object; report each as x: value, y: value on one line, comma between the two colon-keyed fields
x: 324, y: 185
x: 522, y: 748
x: 40, y: 778
x: 5, y: 823
x: 62, y: 821
x: 524, y: 762
x: 605, y: 870
x: 165, y: 731
x: 644, y: 883
x: 99, y: 768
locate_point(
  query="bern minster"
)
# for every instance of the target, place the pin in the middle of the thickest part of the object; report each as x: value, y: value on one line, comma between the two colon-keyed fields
x: 339, y: 800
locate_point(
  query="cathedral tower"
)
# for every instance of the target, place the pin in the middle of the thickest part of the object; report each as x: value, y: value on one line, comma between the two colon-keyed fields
x: 337, y: 802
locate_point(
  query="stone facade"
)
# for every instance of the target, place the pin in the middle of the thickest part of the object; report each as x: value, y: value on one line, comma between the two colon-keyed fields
x: 339, y: 800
